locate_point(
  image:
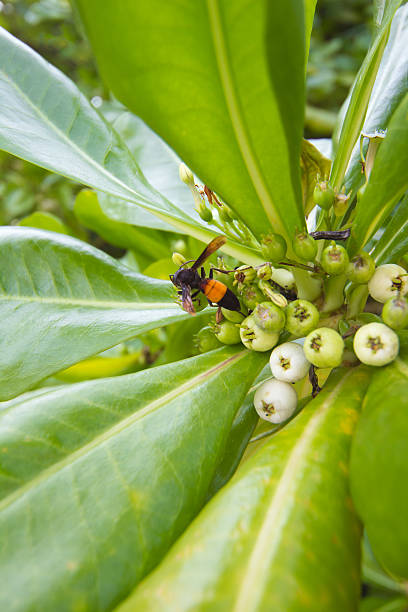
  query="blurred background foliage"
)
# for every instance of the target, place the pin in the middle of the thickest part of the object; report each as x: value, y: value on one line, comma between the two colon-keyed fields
x: 33, y: 197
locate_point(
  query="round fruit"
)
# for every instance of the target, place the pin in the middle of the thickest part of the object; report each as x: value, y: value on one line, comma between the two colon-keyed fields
x: 389, y: 280
x: 275, y: 401
x: 301, y: 317
x: 255, y: 338
x: 324, y: 348
x: 288, y: 362
x: 376, y: 344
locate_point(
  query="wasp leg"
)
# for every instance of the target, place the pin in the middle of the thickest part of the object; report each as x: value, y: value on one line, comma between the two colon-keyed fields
x: 194, y: 295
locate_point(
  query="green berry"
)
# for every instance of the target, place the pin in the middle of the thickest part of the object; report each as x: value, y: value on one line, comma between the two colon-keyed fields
x: 395, y: 313
x: 334, y: 259
x: 376, y: 344
x: 288, y: 362
x: 265, y: 272
x: 269, y: 316
x: 273, y: 247
x: 251, y: 296
x: 227, y: 332
x: 389, y: 280
x: 245, y: 275
x: 323, y: 347
x: 323, y: 195
x: 301, y: 317
x: 304, y: 246
x: 255, y: 338
x: 361, y: 268
x: 205, y: 340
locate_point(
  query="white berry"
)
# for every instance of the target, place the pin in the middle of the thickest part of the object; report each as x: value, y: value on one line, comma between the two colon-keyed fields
x: 288, y: 362
x: 275, y: 401
x: 376, y: 344
x: 389, y: 280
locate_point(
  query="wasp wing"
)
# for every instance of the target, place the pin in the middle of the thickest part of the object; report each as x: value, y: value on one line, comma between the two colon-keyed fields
x: 186, y: 300
x: 214, y: 245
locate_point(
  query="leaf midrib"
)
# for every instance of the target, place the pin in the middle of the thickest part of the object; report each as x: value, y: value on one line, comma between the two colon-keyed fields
x: 237, y: 118
x: 117, y: 429
x: 91, y: 303
x: 270, y: 532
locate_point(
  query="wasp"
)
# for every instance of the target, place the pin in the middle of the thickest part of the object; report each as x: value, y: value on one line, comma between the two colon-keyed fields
x: 188, y: 280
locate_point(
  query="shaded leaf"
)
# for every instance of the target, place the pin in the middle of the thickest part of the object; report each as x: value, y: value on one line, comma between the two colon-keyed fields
x: 126, y: 462
x: 394, y: 240
x: 354, y: 118
x: 379, y: 466
x: 198, y: 75
x: 388, y: 180
x: 45, y: 221
x: 61, y: 301
x: 282, y: 535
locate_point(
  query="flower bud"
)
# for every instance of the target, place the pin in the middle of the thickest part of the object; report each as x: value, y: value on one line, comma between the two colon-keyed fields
x: 255, y: 338
x: 323, y: 347
x: 204, y: 212
x: 304, y: 246
x: 361, y: 268
x: 388, y: 280
x: 275, y: 401
x: 186, y: 175
x: 227, y: 332
x: 265, y: 272
x: 205, y: 340
x: 274, y: 296
x: 232, y: 315
x: 376, y: 344
x: 251, y: 296
x: 245, y: 274
x: 301, y: 317
x: 334, y: 259
x: 268, y: 316
x: 395, y: 313
x: 273, y: 247
x: 323, y: 195
x: 288, y: 362
x: 225, y: 214
x: 178, y: 259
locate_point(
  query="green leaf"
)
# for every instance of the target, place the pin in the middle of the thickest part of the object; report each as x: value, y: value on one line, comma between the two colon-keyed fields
x: 62, y: 301
x: 357, y: 107
x: 99, y: 478
x: 90, y: 214
x: 388, y: 180
x: 198, y: 75
x: 45, y: 221
x: 282, y: 535
x: 394, y: 241
x: 310, y: 6
x: 389, y: 87
x: 379, y: 467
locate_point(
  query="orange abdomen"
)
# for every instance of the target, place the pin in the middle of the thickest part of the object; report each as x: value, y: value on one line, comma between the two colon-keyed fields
x: 213, y: 289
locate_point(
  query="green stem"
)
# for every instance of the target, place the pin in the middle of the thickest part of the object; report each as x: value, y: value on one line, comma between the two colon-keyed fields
x: 308, y: 287
x: 357, y: 301
x: 334, y: 293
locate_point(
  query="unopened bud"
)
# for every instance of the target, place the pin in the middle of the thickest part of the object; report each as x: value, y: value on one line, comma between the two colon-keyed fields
x: 178, y: 259
x: 273, y: 247
x: 186, y: 175
x: 245, y: 274
x: 204, y: 212
x: 341, y: 204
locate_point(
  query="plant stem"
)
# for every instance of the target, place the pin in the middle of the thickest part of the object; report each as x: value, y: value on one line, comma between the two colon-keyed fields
x: 357, y: 301
x: 334, y: 292
x: 308, y: 287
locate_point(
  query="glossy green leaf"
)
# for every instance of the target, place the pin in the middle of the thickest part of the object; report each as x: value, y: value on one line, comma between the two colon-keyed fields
x: 198, y: 74
x: 379, y: 466
x: 89, y: 213
x: 310, y: 6
x: 282, y: 535
x: 394, y: 240
x: 357, y: 106
x: 45, y: 221
x: 383, y: 603
x: 389, y: 87
x: 62, y: 301
x: 98, y: 479
x: 47, y: 121
x: 314, y: 167
x: 102, y: 367
x: 388, y: 179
